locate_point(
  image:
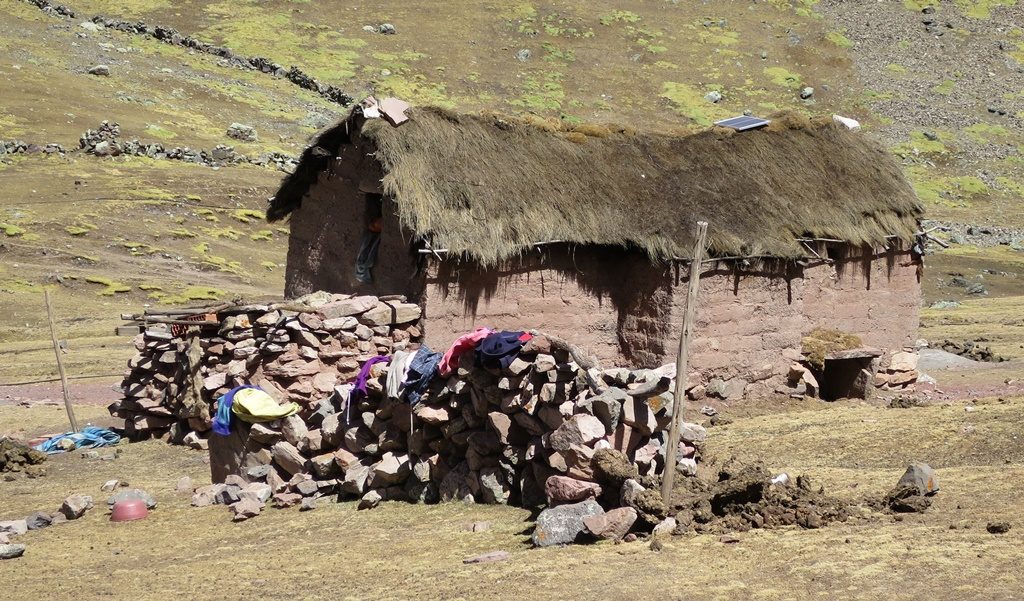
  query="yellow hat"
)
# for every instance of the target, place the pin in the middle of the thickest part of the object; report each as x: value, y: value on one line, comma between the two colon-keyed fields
x: 253, y: 405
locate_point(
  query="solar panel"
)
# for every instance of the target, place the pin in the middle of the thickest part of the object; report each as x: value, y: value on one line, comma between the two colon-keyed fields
x: 743, y: 123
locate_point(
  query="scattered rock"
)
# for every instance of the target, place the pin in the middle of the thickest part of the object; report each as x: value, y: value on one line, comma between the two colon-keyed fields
x: 286, y: 499
x: 370, y: 500
x: 205, y: 496
x: 807, y: 93
x: 386, y: 29
x: 101, y: 70
x: 487, y: 557
x: 38, y: 520
x: 103, y: 149
x: 245, y: 509
x: 75, y: 506
x: 713, y: 96
x: 523, y: 55
x: 611, y: 525
x: 998, y: 527
x: 921, y: 477
x: 666, y: 526
x: 240, y: 131
x: 14, y: 527
x: 112, y: 485
x: 563, y: 489
x: 9, y: 551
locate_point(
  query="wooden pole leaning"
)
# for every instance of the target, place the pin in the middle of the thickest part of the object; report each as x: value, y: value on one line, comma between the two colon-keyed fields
x: 668, y: 477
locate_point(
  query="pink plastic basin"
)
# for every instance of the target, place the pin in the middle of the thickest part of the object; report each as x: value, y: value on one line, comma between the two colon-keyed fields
x: 129, y: 510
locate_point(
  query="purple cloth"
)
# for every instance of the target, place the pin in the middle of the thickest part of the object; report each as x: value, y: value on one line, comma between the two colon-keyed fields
x: 359, y: 391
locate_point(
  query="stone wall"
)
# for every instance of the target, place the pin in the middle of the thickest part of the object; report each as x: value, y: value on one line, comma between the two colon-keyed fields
x: 547, y: 428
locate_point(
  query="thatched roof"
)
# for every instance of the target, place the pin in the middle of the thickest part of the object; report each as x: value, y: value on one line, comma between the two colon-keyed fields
x: 491, y: 187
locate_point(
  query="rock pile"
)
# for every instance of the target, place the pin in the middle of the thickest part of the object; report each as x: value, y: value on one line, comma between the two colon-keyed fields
x: 971, y: 350
x: 22, y: 147
x: 901, y: 374
x: 52, y: 8
x: 16, y: 457
x: 106, y: 141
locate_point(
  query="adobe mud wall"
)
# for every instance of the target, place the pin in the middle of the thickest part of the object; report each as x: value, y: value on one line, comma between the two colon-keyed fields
x: 326, y: 232
x: 627, y: 311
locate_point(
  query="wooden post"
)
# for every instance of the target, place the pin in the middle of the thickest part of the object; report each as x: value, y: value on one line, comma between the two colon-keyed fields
x: 60, y: 362
x: 668, y: 478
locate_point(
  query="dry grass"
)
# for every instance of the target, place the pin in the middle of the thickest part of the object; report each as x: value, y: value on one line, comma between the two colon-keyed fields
x: 401, y: 551
x: 491, y: 186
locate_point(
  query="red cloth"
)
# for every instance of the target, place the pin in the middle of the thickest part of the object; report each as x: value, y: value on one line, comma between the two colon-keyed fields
x: 466, y: 342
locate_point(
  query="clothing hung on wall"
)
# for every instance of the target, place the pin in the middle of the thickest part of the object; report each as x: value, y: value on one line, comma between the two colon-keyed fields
x: 462, y: 345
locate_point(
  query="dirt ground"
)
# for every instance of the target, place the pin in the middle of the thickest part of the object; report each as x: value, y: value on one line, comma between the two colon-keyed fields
x: 855, y: 450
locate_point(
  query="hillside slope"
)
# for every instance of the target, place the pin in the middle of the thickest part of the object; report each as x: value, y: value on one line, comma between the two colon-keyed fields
x: 116, y: 232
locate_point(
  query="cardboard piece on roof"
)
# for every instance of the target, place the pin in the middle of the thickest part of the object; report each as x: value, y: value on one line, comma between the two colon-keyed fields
x: 393, y: 110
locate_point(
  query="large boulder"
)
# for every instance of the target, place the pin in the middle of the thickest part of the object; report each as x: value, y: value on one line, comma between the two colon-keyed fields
x: 563, y: 525
x: 921, y: 477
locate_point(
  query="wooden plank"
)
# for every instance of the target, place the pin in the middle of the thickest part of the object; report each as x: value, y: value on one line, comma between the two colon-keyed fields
x: 668, y: 478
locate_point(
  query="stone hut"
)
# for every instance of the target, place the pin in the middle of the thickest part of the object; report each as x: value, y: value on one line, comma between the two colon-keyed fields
x: 586, y: 232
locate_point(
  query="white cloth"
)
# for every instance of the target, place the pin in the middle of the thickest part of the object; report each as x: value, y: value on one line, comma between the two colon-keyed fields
x: 397, y: 372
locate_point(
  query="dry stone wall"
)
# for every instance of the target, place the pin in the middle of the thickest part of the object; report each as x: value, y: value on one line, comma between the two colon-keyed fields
x: 549, y: 428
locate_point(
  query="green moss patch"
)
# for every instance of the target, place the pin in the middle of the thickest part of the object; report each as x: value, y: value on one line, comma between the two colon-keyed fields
x: 839, y: 39
x: 781, y: 76
x: 194, y: 293
x: 821, y: 342
x: 9, y: 229
x: 945, y: 88
x: 110, y: 286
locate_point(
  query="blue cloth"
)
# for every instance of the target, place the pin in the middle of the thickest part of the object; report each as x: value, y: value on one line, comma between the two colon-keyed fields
x: 222, y: 421
x: 89, y: 438
x: 500, y: 349
x: 421, y: 371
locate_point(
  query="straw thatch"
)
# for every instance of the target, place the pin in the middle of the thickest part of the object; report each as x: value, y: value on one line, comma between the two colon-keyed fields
x: 490, y: 187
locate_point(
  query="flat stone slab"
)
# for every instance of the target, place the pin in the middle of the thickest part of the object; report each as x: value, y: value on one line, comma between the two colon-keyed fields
x: 864, y: 352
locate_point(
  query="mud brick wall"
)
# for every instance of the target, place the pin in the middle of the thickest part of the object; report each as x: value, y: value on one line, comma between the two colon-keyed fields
x: 627, y: 311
